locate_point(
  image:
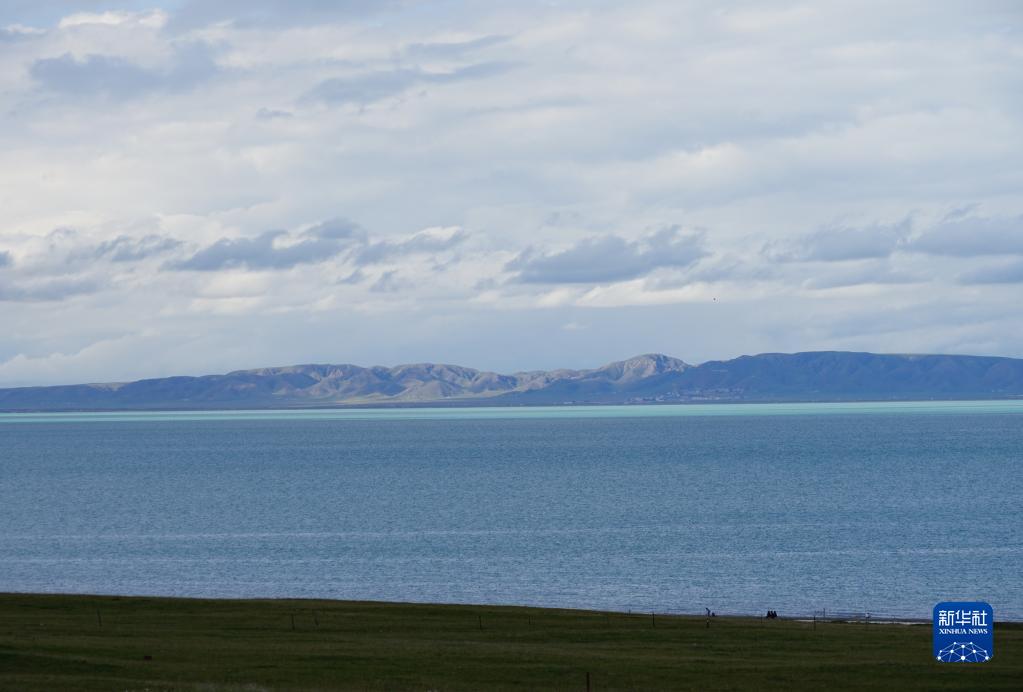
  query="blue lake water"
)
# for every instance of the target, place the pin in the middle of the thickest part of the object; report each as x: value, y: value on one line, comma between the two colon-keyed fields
x: 881, y: 508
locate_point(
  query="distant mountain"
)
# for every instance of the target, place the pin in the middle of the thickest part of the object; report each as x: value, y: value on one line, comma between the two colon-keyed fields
x: 651, y: 378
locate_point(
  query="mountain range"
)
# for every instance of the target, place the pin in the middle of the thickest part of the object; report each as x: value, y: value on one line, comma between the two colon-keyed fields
x: 651, y: 378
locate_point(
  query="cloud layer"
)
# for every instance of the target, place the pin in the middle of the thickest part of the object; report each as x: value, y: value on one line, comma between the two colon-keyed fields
x: 234, y: 184
x: 118, y: 77
x: 608, y: 258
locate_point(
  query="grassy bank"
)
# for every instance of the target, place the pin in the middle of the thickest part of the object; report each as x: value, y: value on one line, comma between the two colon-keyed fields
x: 109, y: 643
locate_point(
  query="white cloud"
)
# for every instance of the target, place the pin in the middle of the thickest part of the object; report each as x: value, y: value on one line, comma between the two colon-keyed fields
x: 154, y: 19
x: 515, y: 160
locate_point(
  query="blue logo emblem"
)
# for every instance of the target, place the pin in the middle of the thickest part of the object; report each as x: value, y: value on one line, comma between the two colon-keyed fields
x: 964, y: 632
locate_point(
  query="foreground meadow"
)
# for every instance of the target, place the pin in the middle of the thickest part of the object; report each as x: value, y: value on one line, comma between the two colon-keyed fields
x: 51, y: 642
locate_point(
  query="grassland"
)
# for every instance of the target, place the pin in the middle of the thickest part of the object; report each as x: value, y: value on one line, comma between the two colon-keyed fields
x: 111, y: 643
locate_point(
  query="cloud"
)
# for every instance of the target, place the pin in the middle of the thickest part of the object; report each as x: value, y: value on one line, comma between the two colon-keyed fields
x: 253, y: 253
x: 959, y: 234
x: 196, y: 13
x: 126, y: 249
x: 866, y: 272
x: 973, y: 236
x: 370, y: 87
x: 356, y: 277
x: 616, y: 117
x: 117, y: 77
x: 272, y: 249
x: 336, y: 229
x: 429, y: 240
x: 389, y: 282
x: 16, y: 32
x: 1003, y: 273
x: 273, y: 114
x: 453, y: 49
x: 154, y: 19
x: 283, y: 250
x: 842, y: 244
x: 66, y: 251
x: 609, y: 258
x: 5, y: 258
x: 47, y: 289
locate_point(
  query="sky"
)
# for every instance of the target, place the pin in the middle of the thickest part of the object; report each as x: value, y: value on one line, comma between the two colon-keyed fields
x: 195, y: 187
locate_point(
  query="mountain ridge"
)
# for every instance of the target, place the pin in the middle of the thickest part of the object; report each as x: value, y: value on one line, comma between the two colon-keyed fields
x: 647, y: 378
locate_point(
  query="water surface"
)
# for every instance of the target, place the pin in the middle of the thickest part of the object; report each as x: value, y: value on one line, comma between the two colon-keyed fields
x: 886, y: 507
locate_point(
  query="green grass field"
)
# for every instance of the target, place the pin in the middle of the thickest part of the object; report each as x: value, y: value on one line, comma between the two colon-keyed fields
x: 110, y: 643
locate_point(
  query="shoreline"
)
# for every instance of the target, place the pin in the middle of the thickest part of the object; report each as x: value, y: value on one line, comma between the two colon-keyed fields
x: 81, y: 642
x: 467, y: 409
x: 828, y: 615
x: 484, y: 403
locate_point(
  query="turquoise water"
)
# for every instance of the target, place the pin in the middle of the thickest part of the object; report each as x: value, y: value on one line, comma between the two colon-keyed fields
x: 885, y: 508
x: 500, y: 412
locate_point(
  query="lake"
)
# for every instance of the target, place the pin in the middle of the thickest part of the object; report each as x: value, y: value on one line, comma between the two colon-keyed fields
x: 884, y: 508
